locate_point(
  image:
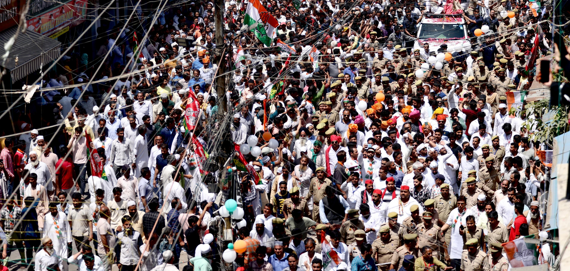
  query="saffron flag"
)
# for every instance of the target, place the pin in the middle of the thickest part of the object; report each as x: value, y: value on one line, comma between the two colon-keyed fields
x: 262, y: 23
x: 330, y: 258
x: 192, y: 112
x: 94, y: 159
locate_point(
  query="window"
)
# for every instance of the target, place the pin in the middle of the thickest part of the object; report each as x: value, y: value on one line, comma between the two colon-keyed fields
x: 442, y: 31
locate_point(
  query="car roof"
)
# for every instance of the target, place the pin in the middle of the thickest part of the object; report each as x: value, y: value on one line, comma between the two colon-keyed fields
x: 443, y: 19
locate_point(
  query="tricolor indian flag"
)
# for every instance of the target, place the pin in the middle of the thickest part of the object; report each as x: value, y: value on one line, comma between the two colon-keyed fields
x: 260, y: 22
x: 313, y: 55
x: 331, y: 260
x: 284, y: 47
x: 239, y: 56
x: 515, y: 99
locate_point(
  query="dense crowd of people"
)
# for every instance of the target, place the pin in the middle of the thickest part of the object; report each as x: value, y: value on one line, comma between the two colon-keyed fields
x: 393, y: 152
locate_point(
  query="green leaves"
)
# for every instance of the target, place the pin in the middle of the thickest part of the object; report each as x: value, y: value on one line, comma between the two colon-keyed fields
x: 540, y: 130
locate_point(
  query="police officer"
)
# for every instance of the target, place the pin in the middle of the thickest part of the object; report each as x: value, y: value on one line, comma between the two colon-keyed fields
x: 472, y: 258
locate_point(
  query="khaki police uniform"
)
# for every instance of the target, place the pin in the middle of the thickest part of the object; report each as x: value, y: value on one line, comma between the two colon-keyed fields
x: 317, y: 191
x: 472, y: 263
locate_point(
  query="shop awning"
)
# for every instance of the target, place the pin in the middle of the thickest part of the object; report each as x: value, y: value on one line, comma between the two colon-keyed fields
x: 28, y: 53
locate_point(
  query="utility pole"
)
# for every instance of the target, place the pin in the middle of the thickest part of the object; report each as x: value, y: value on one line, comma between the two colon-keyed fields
x: 220, y: 45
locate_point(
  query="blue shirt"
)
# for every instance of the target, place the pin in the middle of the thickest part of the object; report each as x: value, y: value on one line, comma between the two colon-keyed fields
x: 348, y: 70
x: 145, y: 190
x: 197, y: 64
x: 474, y: 26
x: 398, y: 177
x: 489, y: 54
x: 279, y: 265
x: 168, y: 135
x: 173, y: 223
x: 161, y: 162
x: 198, y: 81
x: 361, y: 264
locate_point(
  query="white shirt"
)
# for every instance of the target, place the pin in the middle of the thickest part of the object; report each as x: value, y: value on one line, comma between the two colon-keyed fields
x: 141, y: 151
x: 499, y: 121
x: 506, y: 208
x: 165, y: 267
x: 305, y: 261
x: 154, y: 152
x: 121, y: 153
x: 143, y: 109
x: 265, y: 239
x: 455, y: 221
x: 268, y: 221
x: 106, y: 143
x: 97, y: 266
x: 373, y: 222
x: 129, y: 187
x: 166, y: 176
x: 57, y: 229
x: 174, y: 190
x: 403, y: 210
x: 41, y: 170
x: 95, y: 183
x: 130, y: 135
x: 467, y: 165
x: 333, y: 160
x: 43, y: 259
x: 112, y: 127
x: 352, y: 193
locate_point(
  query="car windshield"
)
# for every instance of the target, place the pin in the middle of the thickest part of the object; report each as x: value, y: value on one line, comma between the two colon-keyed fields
x: 441, y: 31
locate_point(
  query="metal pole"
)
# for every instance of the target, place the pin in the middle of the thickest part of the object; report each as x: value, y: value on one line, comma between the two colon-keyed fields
x: 221, y: 81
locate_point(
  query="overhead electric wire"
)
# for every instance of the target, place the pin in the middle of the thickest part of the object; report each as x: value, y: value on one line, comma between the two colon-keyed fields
x: 48, y: 144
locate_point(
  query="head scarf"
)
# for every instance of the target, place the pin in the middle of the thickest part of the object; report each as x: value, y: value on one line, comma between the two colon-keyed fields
x: 377, y: 107
x: 415, y: 115
x: 353, y: 128
x: 438, y: 111
x: 358, y: 120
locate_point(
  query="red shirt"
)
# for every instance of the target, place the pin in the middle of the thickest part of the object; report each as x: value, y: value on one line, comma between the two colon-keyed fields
x: 65, y: 173
x: 521, y: 219
x: 20, y: 159
x: 470, y: 115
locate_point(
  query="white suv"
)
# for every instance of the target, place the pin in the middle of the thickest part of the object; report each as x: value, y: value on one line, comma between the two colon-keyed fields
x: 441, y: 29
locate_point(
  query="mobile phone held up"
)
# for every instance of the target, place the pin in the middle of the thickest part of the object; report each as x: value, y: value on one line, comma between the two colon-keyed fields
x: 544, y: 71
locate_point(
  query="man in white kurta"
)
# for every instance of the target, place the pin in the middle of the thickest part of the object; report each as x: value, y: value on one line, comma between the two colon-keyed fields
x: 402, y: 204
x: 174, y: 190
x: 46, y: 256
x: 468, y: 163
x: 57, y: 229
x: 141, y: 151
x: 107, y: 185
x: 457, y: 218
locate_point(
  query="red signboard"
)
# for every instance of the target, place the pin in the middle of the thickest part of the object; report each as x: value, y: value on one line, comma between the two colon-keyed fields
x: 59, y: 18
x: 10, y: 13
